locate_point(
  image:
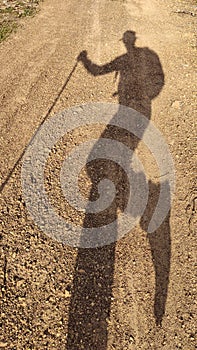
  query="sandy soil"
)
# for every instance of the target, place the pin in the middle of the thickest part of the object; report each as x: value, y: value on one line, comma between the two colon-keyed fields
x: 147, y: 295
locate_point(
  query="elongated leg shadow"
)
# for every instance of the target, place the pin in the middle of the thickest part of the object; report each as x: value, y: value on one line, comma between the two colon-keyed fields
x: 94, y: 270
x: 91, y: 299
x: 160, y: 243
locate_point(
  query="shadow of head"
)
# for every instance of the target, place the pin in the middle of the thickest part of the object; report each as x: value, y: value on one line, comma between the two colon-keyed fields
x: 129, y: 39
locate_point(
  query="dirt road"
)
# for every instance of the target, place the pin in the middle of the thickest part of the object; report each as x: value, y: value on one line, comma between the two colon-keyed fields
x: 147, y: 295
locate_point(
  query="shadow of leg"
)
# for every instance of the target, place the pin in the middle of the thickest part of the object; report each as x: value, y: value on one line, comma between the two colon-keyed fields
x: 91, y: 299
x: 160, y: 243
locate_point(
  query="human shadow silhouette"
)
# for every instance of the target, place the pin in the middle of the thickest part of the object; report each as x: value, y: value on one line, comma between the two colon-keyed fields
x: 141, y: 79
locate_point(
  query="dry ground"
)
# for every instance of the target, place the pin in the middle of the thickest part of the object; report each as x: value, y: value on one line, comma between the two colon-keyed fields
x: 11, y: 11
x: 38, y: 274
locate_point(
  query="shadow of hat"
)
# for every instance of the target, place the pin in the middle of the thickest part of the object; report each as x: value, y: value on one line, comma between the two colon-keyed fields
x: 129, y: 36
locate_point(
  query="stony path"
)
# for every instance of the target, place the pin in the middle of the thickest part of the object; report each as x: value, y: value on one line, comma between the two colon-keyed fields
x: 39, y: 275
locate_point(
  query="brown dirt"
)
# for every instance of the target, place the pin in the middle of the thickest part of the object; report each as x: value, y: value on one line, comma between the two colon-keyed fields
x: 41, y: 278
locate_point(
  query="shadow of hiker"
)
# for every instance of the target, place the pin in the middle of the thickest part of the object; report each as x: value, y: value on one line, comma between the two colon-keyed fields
x: 141, y: 79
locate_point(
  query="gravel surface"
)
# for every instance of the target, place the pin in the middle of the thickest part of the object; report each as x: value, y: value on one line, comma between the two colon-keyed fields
x: 139, y: 293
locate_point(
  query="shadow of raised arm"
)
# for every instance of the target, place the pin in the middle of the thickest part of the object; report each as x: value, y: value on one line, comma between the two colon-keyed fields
x: 96, y: 69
